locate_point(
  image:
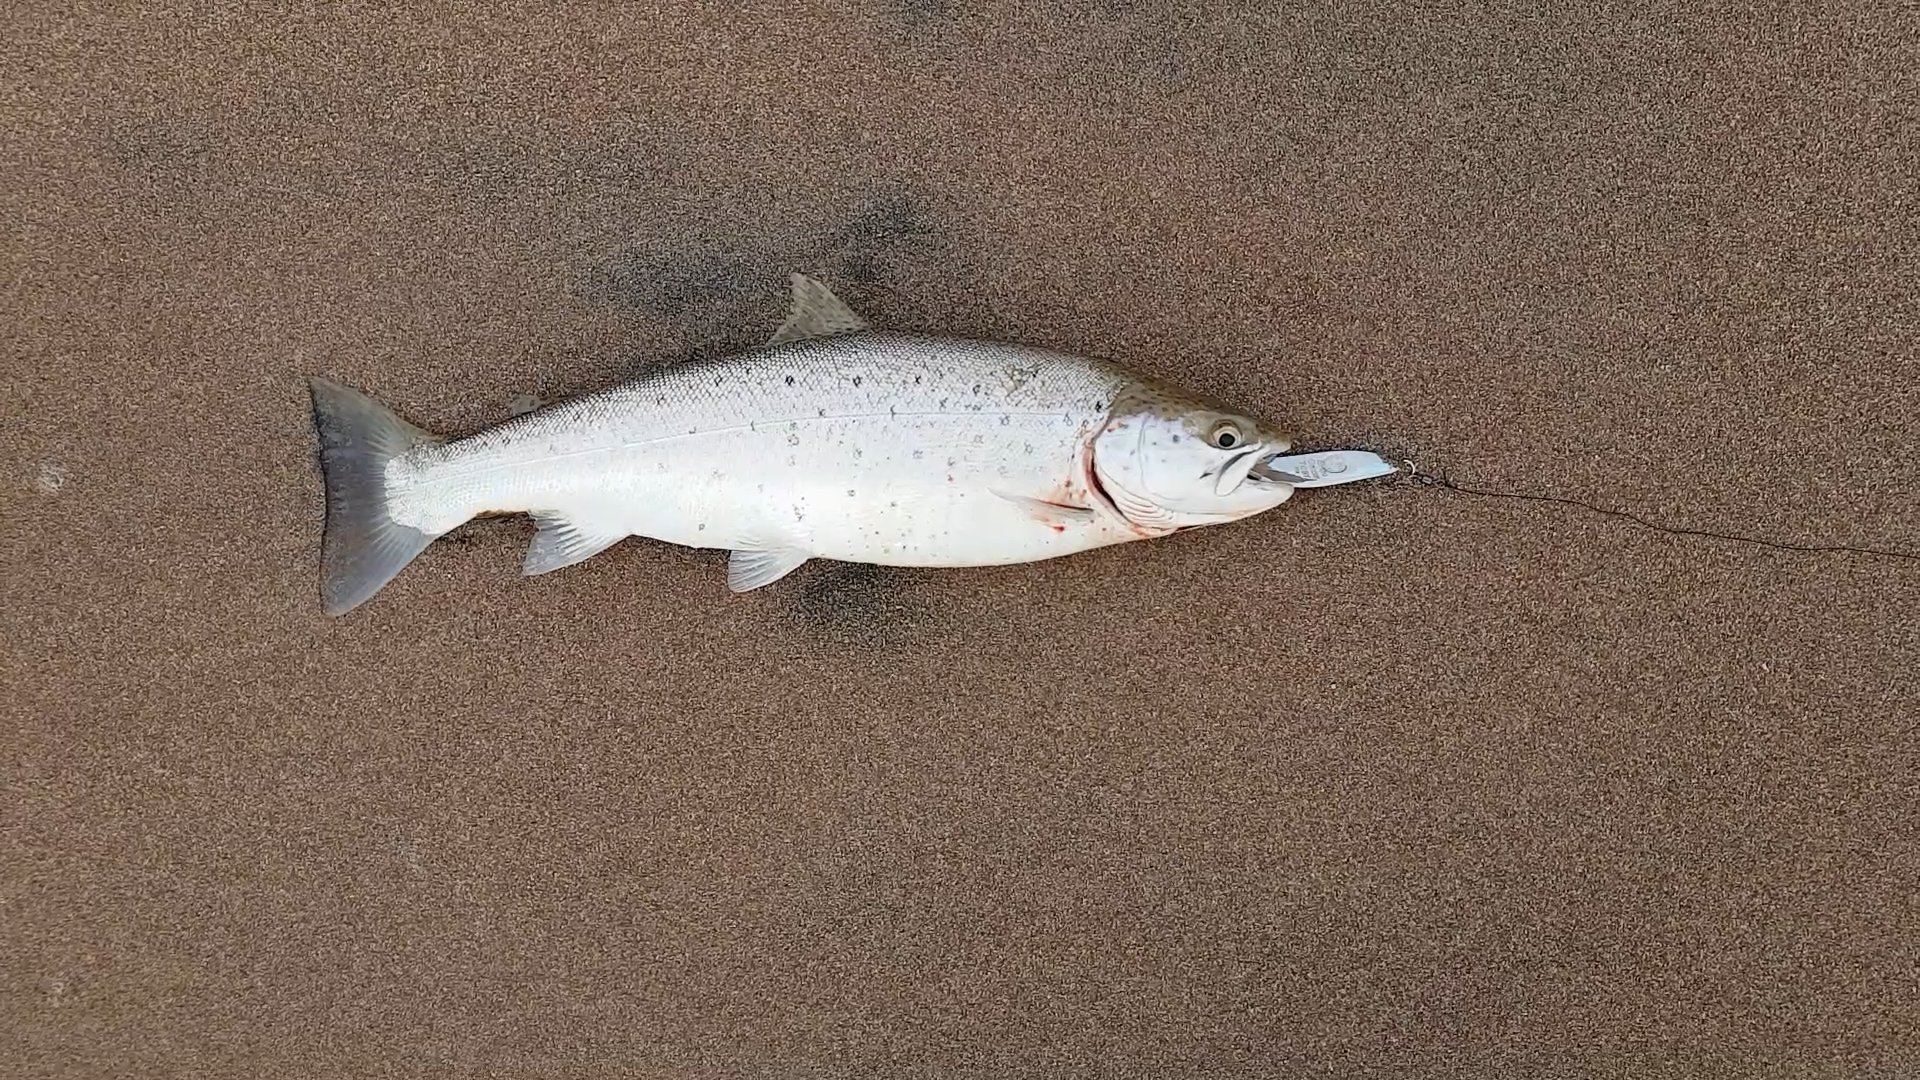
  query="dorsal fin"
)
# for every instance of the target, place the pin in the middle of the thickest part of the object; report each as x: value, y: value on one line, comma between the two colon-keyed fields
x: 816, y: 312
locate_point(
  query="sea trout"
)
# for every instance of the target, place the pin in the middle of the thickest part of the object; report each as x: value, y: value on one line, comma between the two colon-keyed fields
x: 833, y: 441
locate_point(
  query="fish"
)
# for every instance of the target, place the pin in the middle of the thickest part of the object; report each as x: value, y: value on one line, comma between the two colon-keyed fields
x: 834, y: 440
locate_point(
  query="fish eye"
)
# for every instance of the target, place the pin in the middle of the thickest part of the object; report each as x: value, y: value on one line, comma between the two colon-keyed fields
x: 1226, y: 435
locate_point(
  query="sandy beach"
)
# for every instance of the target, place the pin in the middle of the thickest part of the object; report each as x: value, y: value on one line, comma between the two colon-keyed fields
x: 1396, y: 780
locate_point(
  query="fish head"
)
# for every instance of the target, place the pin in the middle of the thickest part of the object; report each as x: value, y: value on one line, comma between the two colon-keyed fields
x: 1167, y: 461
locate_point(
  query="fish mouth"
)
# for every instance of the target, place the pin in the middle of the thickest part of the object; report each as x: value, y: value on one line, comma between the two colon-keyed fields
x: 1265, y: 471
x: 1237, y: 470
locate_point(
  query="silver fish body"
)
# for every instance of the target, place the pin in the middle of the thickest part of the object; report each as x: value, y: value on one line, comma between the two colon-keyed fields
x: 835, y: 441
x: 869, y: 447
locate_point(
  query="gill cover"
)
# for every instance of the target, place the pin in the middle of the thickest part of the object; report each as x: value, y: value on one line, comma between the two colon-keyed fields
x: 1167, y: 460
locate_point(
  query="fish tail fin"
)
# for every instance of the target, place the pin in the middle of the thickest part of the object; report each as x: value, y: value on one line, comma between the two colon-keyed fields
x: 362, y: 547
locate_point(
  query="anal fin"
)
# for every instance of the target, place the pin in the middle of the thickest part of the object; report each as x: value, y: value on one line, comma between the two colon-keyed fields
x: 563, y: 541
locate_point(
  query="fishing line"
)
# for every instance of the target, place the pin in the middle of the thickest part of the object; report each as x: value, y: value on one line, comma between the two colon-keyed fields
x: 1415, y: 475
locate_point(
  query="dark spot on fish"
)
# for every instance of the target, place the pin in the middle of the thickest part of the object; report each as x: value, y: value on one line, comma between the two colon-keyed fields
x: 1176, y: 438
x: 856, y: 380
x: 789, y: 380
x: 976, y: 388
x: 916, y: 380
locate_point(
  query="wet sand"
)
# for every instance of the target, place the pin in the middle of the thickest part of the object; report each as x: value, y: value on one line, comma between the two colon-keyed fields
x: 1393, y: 781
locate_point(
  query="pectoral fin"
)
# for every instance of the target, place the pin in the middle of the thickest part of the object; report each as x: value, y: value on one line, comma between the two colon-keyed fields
x: 1051, y: 513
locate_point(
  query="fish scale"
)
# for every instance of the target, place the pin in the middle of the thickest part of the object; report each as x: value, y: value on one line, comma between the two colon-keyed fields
x: 765, y: 445
x: 834, y: 441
